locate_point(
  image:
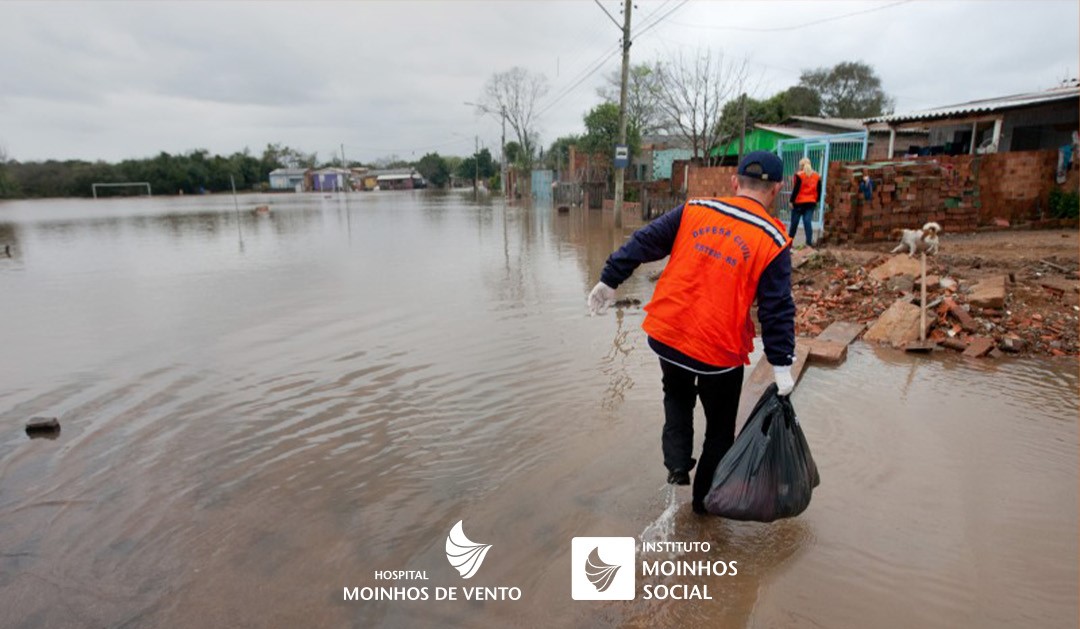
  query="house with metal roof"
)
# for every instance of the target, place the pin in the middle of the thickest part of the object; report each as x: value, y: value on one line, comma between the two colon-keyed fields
x: 910, y: 139
x: 288, y: 179
x: 763, y: 137
x: 1020, y: 122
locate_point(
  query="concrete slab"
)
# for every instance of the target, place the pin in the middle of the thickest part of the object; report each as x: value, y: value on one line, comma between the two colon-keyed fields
x: 762, y: 376
x: 897, y: 326
x: 989, y: 293
x: 843, y: 332
x: 899, y: 264
x: 827, y: 351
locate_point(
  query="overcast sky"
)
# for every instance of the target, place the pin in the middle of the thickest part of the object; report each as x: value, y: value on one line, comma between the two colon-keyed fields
x: 113, y: 80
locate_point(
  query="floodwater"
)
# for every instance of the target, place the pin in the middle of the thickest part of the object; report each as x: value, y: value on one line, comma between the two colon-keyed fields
x: 261, y: 411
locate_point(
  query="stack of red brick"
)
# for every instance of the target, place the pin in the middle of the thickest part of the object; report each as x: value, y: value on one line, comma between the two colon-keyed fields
x: 961, y: 192
x: 709, y: 182
x: 905, y: 195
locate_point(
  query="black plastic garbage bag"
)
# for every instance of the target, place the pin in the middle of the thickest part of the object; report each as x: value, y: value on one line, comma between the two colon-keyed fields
x: 768, y: 473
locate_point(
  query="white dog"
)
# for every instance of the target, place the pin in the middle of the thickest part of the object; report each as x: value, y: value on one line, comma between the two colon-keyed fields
x: 919, y: 240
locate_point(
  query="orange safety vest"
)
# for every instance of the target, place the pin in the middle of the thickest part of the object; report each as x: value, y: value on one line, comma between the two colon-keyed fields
x: 807, y: 189
x: 701, y: 305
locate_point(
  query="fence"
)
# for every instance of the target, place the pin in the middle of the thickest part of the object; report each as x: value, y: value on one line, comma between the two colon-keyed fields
x: 822, y: 149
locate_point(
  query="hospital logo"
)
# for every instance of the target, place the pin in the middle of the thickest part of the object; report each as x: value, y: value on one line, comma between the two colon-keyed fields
x: 464, y: 554
x: 603, y: 568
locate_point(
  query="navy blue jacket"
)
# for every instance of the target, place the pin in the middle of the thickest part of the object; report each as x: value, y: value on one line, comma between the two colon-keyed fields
x: 776, y: 306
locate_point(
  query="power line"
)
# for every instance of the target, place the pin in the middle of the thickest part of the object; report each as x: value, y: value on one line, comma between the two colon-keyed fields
x: 599, y: 64
x: 576, y: 81
x: 777, y: 29
x: 613, y: 20
x: 645, y: 28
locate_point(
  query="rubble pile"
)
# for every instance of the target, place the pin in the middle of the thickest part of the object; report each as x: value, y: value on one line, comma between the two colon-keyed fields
x: 1031, y: 311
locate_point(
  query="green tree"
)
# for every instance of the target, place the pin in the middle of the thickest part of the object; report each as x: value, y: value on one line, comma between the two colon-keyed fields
x: 794, y: 101
x: 602, y: 132
x: 849, y: 89
x: 435, y: 169
x: 559, y: 153
x: 478, y: 165
x: 8, y: 188
x: 514, y: 154
x: 642, y: 96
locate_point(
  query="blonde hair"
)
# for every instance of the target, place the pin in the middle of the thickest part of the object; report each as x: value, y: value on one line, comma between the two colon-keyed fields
x: 805, y: 166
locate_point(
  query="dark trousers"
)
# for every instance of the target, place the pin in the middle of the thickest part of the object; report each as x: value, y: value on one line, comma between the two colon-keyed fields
x: 720, y: 398
x: 805, y: 211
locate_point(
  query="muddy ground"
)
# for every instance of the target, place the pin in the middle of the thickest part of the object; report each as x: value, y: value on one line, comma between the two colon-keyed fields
x: 1040, y: 317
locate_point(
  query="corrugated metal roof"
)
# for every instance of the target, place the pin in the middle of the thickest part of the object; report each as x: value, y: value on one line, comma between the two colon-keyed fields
x: 288, y: 171
x: 853, y: 124
x: 986, y: 105
x: 794, y: 132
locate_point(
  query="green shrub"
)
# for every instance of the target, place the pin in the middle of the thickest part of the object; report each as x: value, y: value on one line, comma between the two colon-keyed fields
x: 1064, y: 204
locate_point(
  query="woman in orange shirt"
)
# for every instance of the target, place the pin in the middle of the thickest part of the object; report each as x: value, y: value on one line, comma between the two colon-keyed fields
x: 805, y: 194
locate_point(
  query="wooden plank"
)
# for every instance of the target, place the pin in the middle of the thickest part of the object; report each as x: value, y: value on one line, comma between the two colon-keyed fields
x: 762, y: 376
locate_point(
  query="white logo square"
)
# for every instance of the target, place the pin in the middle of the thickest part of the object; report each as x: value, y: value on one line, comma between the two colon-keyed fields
x: 603, y: 568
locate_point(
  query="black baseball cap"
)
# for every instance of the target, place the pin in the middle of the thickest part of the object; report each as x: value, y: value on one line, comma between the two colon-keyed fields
x: 762, y: 165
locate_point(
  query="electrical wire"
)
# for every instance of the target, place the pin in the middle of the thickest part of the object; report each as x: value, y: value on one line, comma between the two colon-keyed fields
x: 777, y: 29
x: 646, y: 28
x: 568, y: 90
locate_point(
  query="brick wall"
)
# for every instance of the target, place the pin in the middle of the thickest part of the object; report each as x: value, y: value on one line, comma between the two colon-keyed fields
x: 960, y: 192
x: 707, y: 182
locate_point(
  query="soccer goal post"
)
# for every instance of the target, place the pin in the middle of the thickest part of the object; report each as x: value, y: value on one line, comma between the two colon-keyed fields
x: 145, y: 184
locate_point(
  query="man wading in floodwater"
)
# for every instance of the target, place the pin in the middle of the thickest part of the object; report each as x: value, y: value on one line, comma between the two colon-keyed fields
x: 724, y: 253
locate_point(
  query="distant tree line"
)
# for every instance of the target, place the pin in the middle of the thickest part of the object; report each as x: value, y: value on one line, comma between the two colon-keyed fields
x: 190, y: 173
x: 198, y: 171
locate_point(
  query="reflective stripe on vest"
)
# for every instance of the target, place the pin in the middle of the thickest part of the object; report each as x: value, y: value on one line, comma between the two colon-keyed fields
x: 701, y: 305
x: 808, y: 188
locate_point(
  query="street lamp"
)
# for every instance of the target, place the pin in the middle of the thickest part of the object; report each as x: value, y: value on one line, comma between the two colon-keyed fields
x: 502, y: 148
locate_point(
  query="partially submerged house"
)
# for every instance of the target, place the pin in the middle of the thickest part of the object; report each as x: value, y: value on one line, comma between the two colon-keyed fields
x: 1020, y: 122
x: 329, y: 179
x: 396, y: 179
x: 288, y: 179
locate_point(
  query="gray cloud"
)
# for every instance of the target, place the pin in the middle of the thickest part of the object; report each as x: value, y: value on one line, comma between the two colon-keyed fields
x: 115, y: 80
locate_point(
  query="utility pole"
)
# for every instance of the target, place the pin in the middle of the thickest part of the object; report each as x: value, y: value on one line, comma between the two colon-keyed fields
x: 344, y: 166
x: 476, y: 165
x: 742, y: 134
x: 620, y: 173
x: 502, y: 155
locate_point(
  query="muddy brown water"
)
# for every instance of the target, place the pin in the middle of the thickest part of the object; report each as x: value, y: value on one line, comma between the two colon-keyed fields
x: 259, y: 414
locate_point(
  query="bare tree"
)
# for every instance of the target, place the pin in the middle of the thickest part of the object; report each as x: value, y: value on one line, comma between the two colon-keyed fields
x: 692, y: 94
x: 642, y: 96
x: 514, y: 95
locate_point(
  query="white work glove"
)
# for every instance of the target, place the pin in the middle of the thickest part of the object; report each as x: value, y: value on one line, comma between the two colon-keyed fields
x: 600, y: 298
x: 784, y: 382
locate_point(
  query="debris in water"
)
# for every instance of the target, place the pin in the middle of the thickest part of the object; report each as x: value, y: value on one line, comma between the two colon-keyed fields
x: 43, y: 427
